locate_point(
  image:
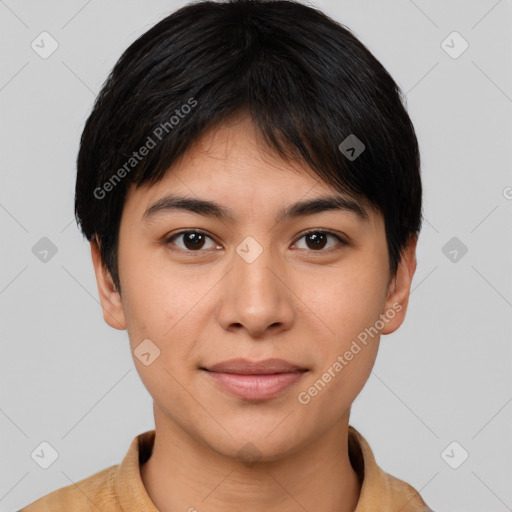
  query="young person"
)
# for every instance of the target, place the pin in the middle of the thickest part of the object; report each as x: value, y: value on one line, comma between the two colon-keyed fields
x: 249, y: 182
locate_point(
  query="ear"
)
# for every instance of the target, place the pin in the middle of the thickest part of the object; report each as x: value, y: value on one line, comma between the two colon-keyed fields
x: 113, y: 312
x: 399, y: 289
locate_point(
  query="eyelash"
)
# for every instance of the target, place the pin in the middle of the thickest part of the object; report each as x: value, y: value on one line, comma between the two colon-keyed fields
x: 341, y: 241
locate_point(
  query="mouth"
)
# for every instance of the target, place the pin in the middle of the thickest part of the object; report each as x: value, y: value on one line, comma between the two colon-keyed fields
x: 258, y: 380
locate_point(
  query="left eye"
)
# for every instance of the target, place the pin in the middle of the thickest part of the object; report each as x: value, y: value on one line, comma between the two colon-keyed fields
x: 317, y: 240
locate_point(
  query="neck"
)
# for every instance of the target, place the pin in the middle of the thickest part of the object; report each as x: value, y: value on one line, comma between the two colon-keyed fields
x: 183, y: 474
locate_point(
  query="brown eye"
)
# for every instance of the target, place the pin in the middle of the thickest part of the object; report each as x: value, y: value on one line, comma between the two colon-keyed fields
x: 192, y: 241
x: 318, y: 240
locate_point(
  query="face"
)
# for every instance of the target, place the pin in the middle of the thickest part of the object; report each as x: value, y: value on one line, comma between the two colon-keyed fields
x: 241, y: 279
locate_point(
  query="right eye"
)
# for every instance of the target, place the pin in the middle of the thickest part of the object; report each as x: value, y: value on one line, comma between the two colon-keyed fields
x: 192, y: 240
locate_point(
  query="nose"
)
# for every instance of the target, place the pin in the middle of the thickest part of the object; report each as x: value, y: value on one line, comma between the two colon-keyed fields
x: 255, y: 295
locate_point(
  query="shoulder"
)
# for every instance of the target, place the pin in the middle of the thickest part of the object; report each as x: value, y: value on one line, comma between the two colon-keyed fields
x: 380, y: 490
x: 405, y: 496
x: 89, y: 494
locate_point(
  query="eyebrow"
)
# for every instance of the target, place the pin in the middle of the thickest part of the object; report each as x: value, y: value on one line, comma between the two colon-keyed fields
x: 215, y: 210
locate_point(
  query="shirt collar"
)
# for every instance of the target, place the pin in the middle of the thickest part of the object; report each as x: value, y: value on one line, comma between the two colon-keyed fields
x: 129, y: 488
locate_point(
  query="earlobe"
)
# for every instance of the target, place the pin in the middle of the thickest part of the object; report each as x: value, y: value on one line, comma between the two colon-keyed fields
x: 110, y: 299
x: 399, y: 289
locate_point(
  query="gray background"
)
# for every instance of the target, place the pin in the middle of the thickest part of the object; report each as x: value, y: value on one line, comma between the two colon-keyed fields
x: 68, y: 378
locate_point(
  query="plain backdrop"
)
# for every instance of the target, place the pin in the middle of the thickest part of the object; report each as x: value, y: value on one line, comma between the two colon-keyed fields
x: 441, y: 387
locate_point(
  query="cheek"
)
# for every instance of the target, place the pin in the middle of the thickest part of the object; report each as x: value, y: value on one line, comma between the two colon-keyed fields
x: 167, y: 308
x: 350, y: 300
x: 153, y: 296
x: 345, y: 357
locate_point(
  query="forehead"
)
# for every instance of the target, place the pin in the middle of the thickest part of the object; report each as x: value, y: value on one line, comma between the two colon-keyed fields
x: 236, y: 147
x: 230, y: 167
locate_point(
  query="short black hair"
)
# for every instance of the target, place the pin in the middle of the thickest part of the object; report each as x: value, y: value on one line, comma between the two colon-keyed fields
x: 306, y: 81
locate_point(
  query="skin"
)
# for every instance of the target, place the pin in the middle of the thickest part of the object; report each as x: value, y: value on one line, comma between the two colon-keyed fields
x: 295, y: 301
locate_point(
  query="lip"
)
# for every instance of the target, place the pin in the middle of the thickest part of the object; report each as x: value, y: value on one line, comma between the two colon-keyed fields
x: 246, y: 367
x: 258, y: 380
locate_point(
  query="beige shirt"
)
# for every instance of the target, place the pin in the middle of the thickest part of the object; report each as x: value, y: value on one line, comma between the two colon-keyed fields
x: 120, y: 488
